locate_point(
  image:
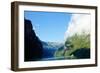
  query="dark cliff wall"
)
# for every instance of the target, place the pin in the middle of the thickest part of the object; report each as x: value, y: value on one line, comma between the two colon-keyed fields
x: 32, y: 44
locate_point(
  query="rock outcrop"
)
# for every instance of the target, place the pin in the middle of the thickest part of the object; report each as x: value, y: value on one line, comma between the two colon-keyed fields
x: 82, y: 53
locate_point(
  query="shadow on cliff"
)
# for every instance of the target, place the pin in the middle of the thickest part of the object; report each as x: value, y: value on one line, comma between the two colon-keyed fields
x: 83, y: 53
x: 33, y: 46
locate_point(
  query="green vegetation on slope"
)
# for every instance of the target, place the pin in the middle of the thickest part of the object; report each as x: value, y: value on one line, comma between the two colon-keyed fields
x: 79, y: 47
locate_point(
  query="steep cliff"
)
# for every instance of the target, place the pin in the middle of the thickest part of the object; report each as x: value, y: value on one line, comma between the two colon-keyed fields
x: 33, y: 46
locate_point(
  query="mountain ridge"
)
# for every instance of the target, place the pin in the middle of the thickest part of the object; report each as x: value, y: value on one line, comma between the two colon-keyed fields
x: 52, y: 44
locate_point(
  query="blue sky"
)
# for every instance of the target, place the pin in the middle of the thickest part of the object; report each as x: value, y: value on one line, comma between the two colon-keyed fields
x: 49, y: 26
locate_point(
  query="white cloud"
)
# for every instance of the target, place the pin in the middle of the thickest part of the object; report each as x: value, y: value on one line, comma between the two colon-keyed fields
x: 79, y: 23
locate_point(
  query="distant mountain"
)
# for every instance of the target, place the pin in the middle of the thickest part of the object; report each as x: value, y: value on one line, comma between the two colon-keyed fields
x: 52, y: 44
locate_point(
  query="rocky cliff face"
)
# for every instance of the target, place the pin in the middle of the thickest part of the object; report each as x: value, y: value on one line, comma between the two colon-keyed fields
x: 33, y: 46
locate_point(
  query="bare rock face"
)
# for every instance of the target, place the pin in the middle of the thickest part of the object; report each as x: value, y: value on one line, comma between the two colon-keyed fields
x: 33, y: 46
